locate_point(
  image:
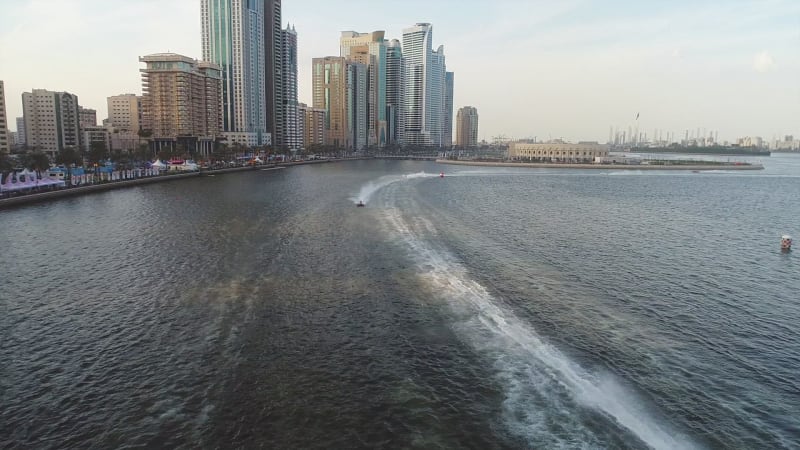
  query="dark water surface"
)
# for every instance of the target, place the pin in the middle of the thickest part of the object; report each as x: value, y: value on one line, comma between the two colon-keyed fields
x: 494, y: 308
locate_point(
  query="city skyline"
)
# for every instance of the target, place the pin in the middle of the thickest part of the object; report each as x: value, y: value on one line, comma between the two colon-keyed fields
x: 566, y: 70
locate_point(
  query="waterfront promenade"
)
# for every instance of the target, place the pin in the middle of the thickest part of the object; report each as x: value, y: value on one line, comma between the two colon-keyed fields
x: 36, y: 197
x: 682, y: 166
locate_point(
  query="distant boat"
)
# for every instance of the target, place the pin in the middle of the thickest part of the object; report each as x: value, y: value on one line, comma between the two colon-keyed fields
x: 360, y: 204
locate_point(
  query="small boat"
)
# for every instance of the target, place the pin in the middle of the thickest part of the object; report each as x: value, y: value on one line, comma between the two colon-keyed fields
x: 786, y: 242
x: 360, y: 204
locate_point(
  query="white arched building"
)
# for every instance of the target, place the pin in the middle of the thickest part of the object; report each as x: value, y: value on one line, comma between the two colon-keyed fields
x: 563, y: 152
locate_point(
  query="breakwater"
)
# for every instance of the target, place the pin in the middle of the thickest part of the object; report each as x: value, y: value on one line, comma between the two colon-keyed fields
x: 720, y: 166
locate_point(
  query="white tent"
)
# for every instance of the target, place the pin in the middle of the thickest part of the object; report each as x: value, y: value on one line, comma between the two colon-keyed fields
x: 31, y: 181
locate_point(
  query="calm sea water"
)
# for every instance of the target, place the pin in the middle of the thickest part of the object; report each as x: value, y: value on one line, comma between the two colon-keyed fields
x: 493, y: 308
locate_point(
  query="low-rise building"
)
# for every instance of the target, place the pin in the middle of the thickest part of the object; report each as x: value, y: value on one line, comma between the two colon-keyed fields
x: 311, y: 125
x: 582, y: 152
x: 95, y: 135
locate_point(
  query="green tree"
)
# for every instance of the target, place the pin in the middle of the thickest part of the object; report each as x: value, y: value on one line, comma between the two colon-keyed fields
x: 69, y: 157
x: 165, y: 154
x: 122, y: 161
x: 38, y: 162
x: 222, y: 153
x: 142, y: 153
x: 6, y: 166
x: 97, y: 152
x: 180, y: 150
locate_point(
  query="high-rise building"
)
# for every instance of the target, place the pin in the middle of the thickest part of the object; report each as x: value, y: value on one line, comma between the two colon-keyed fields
x: 273, y: 66
x: 181, y: 101
x: 467, y: 127
x: 394, y: 92
x: 370, y: 49
x: 21, y: 137
x: 340, y: 89
x: 357, y: 95
x: 51, y: 120
x: 424, y: 93
x: 287, y: 135
x: 87, y: 117
x: 329, y: 86
x: 234, y: 34
x: 311, y: 122
x: 5, y: 138
x: 125, y: 112
x: 447, y: 139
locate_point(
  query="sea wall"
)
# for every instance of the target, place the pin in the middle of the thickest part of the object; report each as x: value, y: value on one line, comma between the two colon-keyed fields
x: 82, y: 190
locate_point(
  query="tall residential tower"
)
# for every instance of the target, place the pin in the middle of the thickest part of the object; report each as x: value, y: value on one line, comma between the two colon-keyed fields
x: 5, y: 141
x: 287, y: 134
x: 329, y: 85
x: 424, y: 96
x: 467, y: 127
x: 234, y: 34
x: 370, y: 50
x: 394, y: 92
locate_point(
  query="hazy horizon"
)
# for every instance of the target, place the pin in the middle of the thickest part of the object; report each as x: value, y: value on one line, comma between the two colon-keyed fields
x: 531, y: 68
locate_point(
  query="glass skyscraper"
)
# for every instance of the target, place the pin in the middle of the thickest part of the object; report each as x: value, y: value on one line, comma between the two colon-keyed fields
x: 424, y: 88
x: 234, y: 37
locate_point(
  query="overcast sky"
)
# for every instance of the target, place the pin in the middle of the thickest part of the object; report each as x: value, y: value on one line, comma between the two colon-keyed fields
x: 568, y: 68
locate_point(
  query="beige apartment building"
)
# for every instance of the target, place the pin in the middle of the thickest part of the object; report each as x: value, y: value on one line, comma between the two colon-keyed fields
x: 467, y: 127
x: 181, y: 101
x: 5, y: 136
x: 124, y: 112
x: 370, y: 49
x: 87, y: 117
x: 311, y: 124
x: 582, y: 152
x: 329, y: 85
x: 124, y: 119
x: 52, y: 120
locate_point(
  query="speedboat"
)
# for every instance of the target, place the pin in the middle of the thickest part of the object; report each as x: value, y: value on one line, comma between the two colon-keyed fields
x: 360, y: 204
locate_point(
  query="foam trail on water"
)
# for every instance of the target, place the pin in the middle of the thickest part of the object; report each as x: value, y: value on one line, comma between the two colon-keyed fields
x: 544, y: 389
x: 370, y: 188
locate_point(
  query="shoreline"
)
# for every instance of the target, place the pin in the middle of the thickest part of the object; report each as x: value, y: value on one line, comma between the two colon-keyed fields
x: 38, y: 197
x: 606, y: 166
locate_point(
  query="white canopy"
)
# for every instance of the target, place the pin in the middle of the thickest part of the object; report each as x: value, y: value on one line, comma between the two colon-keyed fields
x: 31, y: 181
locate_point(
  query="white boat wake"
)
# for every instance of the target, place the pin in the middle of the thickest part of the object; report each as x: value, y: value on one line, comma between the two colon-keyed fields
x: 544, y: 389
